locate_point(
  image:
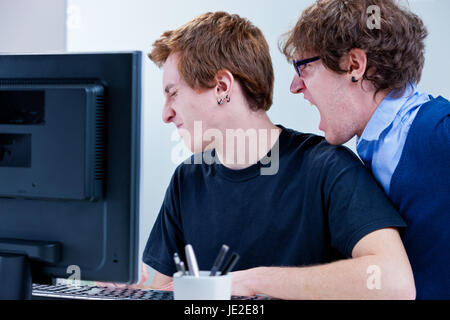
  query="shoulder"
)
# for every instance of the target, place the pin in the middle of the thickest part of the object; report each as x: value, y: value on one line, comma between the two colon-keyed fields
x: 185, y: 177
x: 433, y: 113
x: 318, y: 151
x: 194, y: 167
x: 431, y: 128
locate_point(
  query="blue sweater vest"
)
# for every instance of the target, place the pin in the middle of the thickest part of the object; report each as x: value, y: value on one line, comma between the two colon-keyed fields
x: 420, y: 188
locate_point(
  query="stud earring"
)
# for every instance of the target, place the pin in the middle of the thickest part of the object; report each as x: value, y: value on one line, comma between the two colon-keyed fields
x: 354, y: 80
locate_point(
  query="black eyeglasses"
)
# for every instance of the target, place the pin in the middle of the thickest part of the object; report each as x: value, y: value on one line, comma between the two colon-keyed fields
x: 299, y: 63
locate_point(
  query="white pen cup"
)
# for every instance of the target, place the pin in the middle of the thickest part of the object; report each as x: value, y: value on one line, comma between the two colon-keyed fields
x: 204, y: 287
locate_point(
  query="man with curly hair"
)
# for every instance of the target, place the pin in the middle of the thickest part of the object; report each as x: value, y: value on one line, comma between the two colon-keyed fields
x: 358, y: 62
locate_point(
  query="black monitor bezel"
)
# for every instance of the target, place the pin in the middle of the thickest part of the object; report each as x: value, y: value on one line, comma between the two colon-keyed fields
x: 120, y: 73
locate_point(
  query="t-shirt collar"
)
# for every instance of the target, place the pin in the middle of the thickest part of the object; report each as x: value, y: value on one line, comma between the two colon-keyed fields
x: 254, y: 170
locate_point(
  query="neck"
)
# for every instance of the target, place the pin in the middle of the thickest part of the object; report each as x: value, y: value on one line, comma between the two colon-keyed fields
x: 248, y: 137
x: 365, y: 114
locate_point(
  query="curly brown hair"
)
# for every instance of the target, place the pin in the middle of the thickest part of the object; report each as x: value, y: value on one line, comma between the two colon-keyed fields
x: 215, y: 41
x: 331, y: 28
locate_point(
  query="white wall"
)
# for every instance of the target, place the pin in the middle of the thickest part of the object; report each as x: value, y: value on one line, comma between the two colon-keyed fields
x: 32, y: 26
x: 106, y: 25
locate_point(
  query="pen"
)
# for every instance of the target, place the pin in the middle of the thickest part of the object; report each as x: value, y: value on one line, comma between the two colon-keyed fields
x: 218, y: 262
x: 177, y: 260
x: 192, y: 261
x: 231, y: 263
x: 183, y: 268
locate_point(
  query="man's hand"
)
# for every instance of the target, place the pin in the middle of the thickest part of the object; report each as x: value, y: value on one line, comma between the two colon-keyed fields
x: 140, y: 285
x: 167, y: 287
x: 242, y: 282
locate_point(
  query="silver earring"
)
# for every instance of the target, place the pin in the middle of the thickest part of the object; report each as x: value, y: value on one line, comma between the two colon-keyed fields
x: 220, y: 102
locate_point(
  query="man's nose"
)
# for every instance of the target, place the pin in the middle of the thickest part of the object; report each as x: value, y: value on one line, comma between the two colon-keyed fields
x: 297, y: 85
x: 168, y: 114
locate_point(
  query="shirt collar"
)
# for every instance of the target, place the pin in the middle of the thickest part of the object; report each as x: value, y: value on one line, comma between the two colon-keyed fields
x: 385, y: 114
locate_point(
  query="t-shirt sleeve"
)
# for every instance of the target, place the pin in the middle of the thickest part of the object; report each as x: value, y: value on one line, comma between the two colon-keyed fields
x: 356, y: 204
x: 166, y: 237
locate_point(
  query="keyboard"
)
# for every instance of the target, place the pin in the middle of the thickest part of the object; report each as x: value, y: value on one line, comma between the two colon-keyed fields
x: 64, y: 291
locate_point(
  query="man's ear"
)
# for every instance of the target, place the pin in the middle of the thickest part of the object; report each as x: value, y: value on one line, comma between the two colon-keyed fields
x: 224, y: 83
x: 356, y: 64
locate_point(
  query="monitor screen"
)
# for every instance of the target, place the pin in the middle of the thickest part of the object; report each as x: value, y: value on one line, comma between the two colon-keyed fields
x: 69, y: 166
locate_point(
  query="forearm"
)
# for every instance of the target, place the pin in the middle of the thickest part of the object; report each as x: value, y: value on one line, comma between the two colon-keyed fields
x: 346, y: 279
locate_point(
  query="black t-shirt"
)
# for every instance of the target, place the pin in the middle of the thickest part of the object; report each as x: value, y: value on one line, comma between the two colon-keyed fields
x: 314, y: 210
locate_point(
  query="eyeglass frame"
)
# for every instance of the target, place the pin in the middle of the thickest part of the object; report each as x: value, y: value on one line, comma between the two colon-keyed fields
x: 298, y: 63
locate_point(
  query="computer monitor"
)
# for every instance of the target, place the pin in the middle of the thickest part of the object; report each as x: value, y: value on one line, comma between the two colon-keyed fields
x: 69, y: 168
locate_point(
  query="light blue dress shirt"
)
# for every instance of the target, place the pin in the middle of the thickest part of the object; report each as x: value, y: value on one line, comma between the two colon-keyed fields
x: 381, y: 144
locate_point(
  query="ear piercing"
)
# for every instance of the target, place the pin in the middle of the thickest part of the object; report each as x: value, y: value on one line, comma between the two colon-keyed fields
x: 222, y: 100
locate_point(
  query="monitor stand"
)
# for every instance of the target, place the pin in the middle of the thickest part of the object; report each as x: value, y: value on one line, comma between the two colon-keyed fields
x: 15, y: 277
x: 17, y: 259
